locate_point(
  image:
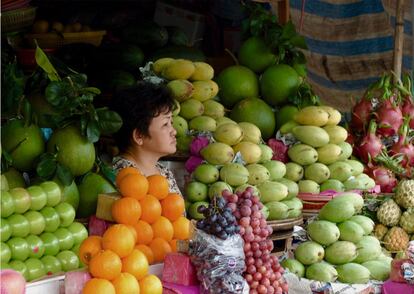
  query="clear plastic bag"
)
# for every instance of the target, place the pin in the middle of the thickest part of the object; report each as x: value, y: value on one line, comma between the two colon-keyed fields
x: 219, y: 263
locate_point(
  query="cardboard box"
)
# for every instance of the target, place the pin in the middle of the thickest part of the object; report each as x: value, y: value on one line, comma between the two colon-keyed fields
x: 103, y: 208
x: 190, y: 22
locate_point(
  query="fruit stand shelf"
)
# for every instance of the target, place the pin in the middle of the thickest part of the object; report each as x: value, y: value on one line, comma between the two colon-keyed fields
x: 285, y: 224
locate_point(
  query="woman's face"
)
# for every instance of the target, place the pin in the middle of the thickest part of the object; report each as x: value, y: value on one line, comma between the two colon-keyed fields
x: 161, y: 137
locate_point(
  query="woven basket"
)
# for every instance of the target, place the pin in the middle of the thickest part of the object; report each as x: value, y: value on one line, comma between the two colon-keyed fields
x: 53, y: 40
x: 16, y: 20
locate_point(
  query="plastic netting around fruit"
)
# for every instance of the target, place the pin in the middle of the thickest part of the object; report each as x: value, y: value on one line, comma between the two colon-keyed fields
x: 219, y: 263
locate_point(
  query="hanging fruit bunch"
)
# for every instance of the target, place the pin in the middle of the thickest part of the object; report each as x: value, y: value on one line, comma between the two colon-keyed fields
x: 382, y: 126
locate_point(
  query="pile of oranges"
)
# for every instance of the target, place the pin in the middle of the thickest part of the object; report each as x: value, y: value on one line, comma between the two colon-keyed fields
x: 149, y: 222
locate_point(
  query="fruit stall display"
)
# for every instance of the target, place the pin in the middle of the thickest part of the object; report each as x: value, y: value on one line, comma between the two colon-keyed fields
x: 39, y: 236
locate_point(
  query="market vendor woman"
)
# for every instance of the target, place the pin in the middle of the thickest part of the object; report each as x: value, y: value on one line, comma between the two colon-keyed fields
x: 147, y: 132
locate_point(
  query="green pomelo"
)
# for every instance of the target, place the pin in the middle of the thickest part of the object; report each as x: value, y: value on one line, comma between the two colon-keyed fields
x: 196, y: 191
x: 303, y: 154
x: 294, y: 203
x: 365, y: 222
x: 357, y: 167
x: 277, y: 83
x: 191, y: 108
x: 74, y: 150
x: 311, y: 135
x: 277, y: 210
x: 323, y: 232
x: 256, y: 55
x: 369, y: 248
x: 257, y: 112
x: 308, y: 186
x: 294, y: 266
x: 249, y: 151
x: 193, y: 210
x: 334, y: 115
x: 312, y: 116
x: 203, y: 123
x: 353, y: 273
x: 237, y: 83
x: 234, y: 174
x: 183, y: 143
x: 354, y: 198
x: 350, y: 231
x: 23, y: 143
x: 379, y: 271
x: 272, y: 191
x: 337, y: 211
x: 267, y: 153
x: 216, y: 189
x: 257, y: 174
x: 206, y: 173
x: 251, y: 133
x: 70, y: 193
x: 285, y: 114
x: 228, y: 133
x: 243, y: 188
x: 180, y: 125
x: 346, y: 151
x: 217, y: 153
x: 91, y: 186
x: 294, y: 172
x: 332, y: 184
x: 337, y: 134
x: 340, y: 171
x: 317, y: 172
x: 213, y: 109
x: 341, y: 252
x: 309, y: 252
x: 322, y: 272
x: 329, y: 153
x: 293, y: 188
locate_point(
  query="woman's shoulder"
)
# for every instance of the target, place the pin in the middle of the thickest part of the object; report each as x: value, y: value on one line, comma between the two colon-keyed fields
x: 119, y: 163
x: 166, y: 172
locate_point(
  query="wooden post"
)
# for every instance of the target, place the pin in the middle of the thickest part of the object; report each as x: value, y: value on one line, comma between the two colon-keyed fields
x: 398, y: 40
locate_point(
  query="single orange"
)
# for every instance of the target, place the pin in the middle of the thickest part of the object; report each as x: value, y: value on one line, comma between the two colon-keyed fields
x: 119, y: 239
x: 89, y: 248
x: 144, y: 232
x: 136, y: 264
x: 151, y: 208
x: 181, y: 228
x: 100, y: 286
x: 160, y: 248
x: 132, y: 230
x: 163, y: 228
x: 134, y: 185
x: 158, y: 186
x: 105, y: 265
x: 147, y: 251
x: 125, y: 171
x: 126, y: 210
x: 150, y: 285
x: 173, y: 244
x: 173, y: 206
x: 125, y: 283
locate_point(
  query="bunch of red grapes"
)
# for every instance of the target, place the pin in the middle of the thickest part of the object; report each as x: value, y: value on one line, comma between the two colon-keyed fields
x: 263, y: 271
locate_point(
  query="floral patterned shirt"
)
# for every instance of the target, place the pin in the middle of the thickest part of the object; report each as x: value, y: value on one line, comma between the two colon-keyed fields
x: 119, y: 163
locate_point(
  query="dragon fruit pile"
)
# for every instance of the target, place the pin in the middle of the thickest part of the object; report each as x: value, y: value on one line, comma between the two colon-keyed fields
x: 383, y: 125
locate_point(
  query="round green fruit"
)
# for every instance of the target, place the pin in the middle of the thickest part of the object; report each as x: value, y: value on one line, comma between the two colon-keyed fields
x: 14, y: 178
x: 74, y: 150
x: 19, y: 248
x: 68, y: 260
x: 51, y: 243
x: 7, y: 204
x: 24, y: 143
x: 19, y: 225
x: 5, y: 252
x: 193, y: 210
x: 285, y: 114
x: 70, y: 193
x: 36, y: 221
x: 52, y: 264
x: 52, y: 220
x: 79, y: 232
x: 65, y: 238
x: 36, y: 246
x: 21, y: 200
x: 53, y: 193
x: 5, y: 230
x: 19, y: 266
x: 256, y: 55
x: 35, y: 268
x: 38, y: 196
x: 66, y: 213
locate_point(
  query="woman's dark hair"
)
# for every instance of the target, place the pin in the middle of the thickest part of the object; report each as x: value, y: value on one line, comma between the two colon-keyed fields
x: 137, y: 106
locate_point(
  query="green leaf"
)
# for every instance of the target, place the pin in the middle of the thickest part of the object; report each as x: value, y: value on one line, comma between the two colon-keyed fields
x: 43, y: 61
x: 109, y: 121
x: 289, y: 31
x: 91, y: 90
x: 12, y: 86
x: 298, y: 41
x: 92, y: 131
x: 64, y: 174
x: 58, y: 93
x: 27, y: 112
x: 46, y: 167
x: 83, y: 124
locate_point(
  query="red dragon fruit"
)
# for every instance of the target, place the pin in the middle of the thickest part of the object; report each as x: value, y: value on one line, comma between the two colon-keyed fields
x: 403, y: 146
x: 361, y: 114
x: 280, y: 150
x: 371, y: 145
x: 389, y: 118
x: 383, y: 177
x: 408, y: 109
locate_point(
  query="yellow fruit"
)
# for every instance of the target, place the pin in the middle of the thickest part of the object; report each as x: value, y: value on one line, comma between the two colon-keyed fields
x: 57, y: 26
x: 215, y: 88
x: 203, y: 71
x: 180, y: 89
x: 76, y: 27
x: 159, y: 65
x: 150, y: 285
x: 178, y: 69
x: 203, y: 90
x: 40, y: 26
x: 125, y: 283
